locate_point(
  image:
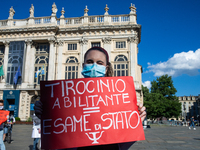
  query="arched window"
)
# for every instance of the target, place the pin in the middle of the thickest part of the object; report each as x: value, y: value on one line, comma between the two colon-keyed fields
x: 41, y: 63
x: 71, y: 68
x: 121, y: 66
x: 15, y: 60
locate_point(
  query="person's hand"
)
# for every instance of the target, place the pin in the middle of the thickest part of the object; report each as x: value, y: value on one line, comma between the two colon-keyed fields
x: 39, y: 131
x: 38, y: 109
x: 142, y: 111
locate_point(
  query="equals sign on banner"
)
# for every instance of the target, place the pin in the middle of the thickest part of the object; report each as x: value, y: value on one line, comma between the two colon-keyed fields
x: 91, y: 110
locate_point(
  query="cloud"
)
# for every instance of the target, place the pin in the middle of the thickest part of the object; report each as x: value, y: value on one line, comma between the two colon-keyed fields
x: 181, y: 63
x: 147, y: 84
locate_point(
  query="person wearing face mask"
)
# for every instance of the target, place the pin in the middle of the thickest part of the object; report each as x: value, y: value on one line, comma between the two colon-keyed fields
x: 96, y: 64
x: 1, y: 128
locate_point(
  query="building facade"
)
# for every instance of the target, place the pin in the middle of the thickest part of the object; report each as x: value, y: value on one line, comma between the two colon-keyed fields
x: 189, y: 107
x: 57, y: 46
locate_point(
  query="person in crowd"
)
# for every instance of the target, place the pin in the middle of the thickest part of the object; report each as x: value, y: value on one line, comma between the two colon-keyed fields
x: 36, y: 132
x: 192, y: 123
x: 8, y: 124
x: 1, y: 128
x: 96, y: 64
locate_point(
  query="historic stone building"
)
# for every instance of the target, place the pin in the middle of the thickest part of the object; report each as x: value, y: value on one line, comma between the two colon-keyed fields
x: 189, y: 106
x: 57, y: 46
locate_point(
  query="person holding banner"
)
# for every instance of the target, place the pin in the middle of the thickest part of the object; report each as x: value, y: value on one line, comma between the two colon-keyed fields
x: 1, y: 126
x: 96, y: 64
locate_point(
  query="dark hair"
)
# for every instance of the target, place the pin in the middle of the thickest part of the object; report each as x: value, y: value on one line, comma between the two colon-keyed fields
x: 1, y: 100
x: 109, y: 72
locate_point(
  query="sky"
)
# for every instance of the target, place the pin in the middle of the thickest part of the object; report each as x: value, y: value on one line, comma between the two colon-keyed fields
x: 170, y: 35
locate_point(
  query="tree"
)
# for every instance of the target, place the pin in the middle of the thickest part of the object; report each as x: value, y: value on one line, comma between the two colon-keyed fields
x: 162, y: 101
x: 163, y: 85
x: 153, y: 103
x: 145, y: 91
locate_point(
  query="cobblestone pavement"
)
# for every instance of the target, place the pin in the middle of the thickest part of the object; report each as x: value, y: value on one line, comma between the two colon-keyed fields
x: 169, y: 138
x: 157, y: 138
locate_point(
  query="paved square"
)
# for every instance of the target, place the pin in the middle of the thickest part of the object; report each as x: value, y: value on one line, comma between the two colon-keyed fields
x: 157, y: 138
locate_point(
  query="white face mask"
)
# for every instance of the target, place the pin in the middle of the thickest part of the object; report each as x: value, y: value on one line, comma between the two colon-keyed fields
x: 1, y: 107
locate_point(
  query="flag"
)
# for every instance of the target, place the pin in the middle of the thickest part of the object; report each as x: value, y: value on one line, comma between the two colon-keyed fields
x: 17, y: 75
x: 1, y: 71
x: 38, y: 73
x: 43, y: 71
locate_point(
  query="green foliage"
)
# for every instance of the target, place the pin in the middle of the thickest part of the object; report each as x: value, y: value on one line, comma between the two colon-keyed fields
x: 163, y: 85
x: 154, y: 105
x: 161, y: 101
x: 145, y: 91
x: 29, y: 119
x: 17, y: 119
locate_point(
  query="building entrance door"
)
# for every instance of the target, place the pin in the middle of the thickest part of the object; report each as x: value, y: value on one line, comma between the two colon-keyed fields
x: 11, y: 105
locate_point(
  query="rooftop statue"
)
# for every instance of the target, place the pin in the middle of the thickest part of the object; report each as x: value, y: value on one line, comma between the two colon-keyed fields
x: 54, y: 10
x: 31, y: 10
x: 11, y: 13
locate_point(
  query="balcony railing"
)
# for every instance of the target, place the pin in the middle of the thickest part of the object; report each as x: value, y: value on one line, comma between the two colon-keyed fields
x: 108, y: 19
x: 3, y: 23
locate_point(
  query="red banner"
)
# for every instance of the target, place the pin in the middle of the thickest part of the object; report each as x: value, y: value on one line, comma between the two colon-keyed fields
x: 88, y: 112
x: 3, y: 116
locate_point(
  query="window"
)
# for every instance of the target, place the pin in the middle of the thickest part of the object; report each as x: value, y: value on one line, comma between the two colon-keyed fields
x: 15, y: 59
x: 41, y: 62
x: 98, y: 44
x: 42, y: 49
x: 121, y: 44
x: 121, y: 66
x: 71, y: 68
x: 72, y: 46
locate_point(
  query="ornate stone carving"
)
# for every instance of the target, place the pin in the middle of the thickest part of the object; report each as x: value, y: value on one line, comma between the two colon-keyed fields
x: 83, y: 41
x: 62, y: 12
x: 6, y: 43
x: 106, y: 40
x: 11, y: 13
x: 51, y: 40
x: 86, y: 11
x: 106, y: 10
x: 60, y: 42
x: 133, y: 9
x: 31, y: 11
x: 54, y: 9
x: 133, y: 39
x: 28, y: 42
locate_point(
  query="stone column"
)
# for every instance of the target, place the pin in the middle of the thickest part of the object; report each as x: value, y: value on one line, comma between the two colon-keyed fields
x: 133, y: 41
x: 83, y: 47
x: 32, y: 63
x: 107, y: 45
x: 51, y: 70
x: 27, y: 60
x: 5, y: 63
x: 59, y: 60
